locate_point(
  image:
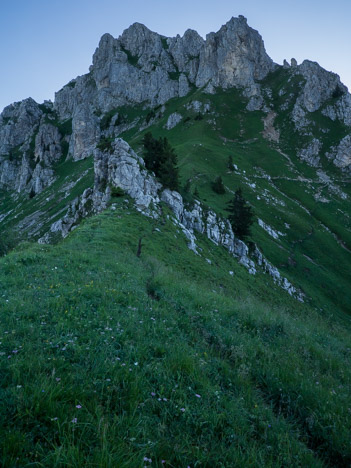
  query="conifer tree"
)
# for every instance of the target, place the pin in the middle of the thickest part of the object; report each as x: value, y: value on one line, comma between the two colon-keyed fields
x: 230, y: 163
x: 218, y: 186
x: 241, y: 215
x: 160, y: 157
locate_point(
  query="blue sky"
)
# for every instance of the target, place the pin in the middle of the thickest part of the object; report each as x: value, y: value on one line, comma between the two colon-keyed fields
x: 45, y: 43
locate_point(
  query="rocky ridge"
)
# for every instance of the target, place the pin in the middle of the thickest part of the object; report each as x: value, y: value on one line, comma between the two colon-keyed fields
x: 121, y: 168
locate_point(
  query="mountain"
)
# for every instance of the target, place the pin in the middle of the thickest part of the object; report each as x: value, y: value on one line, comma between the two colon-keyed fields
x: 268, y: 316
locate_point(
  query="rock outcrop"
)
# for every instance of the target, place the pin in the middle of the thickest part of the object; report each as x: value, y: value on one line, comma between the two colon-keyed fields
x: 122, y: 169
x: 142, y: 66
x: 29, y: 147
x: 341, y: 155
x: 311, y: 154
x: 320, y: 85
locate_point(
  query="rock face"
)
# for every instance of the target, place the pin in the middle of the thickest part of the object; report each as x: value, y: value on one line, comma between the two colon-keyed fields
x: 311, y: 153
x: 17, y: 123
x: 341, y: 155
x: 173, y: 120
x: 85, y: 132
x: 29, y: 146
x: 142, y: 66
x: 124, y: 169
x: 234, y: 57
x: 320, y: 85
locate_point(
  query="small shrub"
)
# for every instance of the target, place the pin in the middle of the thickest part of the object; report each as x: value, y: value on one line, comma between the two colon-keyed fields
x: 65, y: 127
x: 218, y: 186
x: 132, y: 59
x: 338, y: 92
x: 117, y: 192
x: 174, y: 75
x: 150, y: 115
x: 106, y: 119
x: 241, y: 215
x: 164, y: 43
x: 105, y: 144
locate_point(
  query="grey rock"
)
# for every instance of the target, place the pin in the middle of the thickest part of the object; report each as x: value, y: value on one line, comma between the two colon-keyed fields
x: 18, y: 123
x: 320, y: 85
x: 28, y: 167
x: 310, y: 154
x: 124, y: 169
x: 185, y: 52
x: 341, y: 155
x: 269, y: 131
x: 340, y: 110
x: 193, y: 218
x: 240, y: 248
x: 233, y: 57
x: 198, y: 106
x: 143, y: 67
x: 272, y: 232
x: 173, y: 120
x: 85, y: 133
x: 175, y: 201
x: 80, y: 208
x: 47, y: 145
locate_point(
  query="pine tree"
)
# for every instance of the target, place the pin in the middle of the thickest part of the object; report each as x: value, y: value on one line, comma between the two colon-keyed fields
x: 160, y: 157
x: 230, y: 163
x: 241, y: 215
x: 218, y: 186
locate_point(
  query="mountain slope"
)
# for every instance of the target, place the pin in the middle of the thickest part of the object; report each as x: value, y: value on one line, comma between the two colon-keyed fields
x: 148, y: 330
x: 93, y: 371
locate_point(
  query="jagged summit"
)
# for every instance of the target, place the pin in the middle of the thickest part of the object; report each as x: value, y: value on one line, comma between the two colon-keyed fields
x: 234, y: 56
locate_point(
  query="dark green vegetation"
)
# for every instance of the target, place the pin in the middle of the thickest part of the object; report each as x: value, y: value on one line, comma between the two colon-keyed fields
x: 107, y: 358
x: 241, y: 215
x: 161, y: 159
x: 217, y: 186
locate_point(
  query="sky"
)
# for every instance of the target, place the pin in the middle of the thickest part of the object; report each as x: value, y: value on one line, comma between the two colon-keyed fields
x: 46, y: 43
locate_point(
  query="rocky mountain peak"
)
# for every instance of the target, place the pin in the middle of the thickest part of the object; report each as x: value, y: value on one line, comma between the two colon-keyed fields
x: 235, y: 56
x: 144, y: 67
x: 320, y: 85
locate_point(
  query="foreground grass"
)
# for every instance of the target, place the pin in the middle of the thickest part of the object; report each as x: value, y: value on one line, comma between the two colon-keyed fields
x: 109, y: 360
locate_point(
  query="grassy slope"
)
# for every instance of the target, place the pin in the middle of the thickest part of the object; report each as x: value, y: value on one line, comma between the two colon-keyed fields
x: 309, y: 254
x: 30, y: 218
x: 106, y: 358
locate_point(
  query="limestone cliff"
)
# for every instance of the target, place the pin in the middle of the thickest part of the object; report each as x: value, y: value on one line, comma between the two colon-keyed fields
x: 143, y: 67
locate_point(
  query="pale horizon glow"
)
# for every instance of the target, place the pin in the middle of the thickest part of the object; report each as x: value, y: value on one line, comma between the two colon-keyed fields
x: 46, y: 44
